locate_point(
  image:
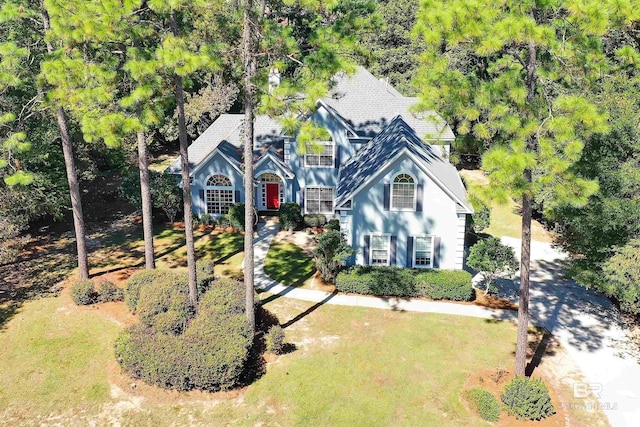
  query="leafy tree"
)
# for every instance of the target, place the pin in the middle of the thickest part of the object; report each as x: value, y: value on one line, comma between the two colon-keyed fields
x: 481, y: 217
x: 331, y: 252
x: 165, y: 192
x: 621, y: 276
x: 521, y: 89
x: 492, y: 259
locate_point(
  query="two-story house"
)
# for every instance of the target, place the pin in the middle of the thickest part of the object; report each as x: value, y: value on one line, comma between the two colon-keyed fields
x: 384, y: 173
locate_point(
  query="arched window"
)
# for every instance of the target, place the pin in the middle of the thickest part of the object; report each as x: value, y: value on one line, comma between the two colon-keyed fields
x: 219, y: 194
x: 403, y: 192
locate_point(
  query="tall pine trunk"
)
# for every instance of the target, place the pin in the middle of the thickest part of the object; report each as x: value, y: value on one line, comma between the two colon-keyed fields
x: 525, y: 250
x: 145, y: 192
x: 186, y: 180
x: 249, y: 72
x: 72, y: 177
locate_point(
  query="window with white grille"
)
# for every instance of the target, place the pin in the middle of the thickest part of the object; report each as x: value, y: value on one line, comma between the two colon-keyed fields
x: 219, y: 194
x: 423, y: 252
x: 380, y: 246
x: 403, y: 192
x: 319, y: 200
x: 319, y: 154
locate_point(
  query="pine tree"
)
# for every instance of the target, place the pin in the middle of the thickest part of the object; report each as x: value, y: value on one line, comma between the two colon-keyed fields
x: 511, y: 73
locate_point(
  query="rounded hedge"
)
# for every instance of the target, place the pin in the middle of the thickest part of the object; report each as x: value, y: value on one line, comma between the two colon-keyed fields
x: 274, y: 339
x: 454, y: 285
x: 83, y: 292
x: 527, y: 398
x: 108, y: 292
x: 137, y: 281
x: 174, y: 349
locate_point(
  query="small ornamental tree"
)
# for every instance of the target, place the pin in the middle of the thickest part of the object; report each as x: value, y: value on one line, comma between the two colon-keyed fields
x: 332, y: 250
x: 492, y: 259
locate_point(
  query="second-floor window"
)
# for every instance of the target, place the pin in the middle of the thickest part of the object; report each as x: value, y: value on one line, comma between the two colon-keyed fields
x: 319, y: 200
x: 319, y: 154
x: 403, y: 192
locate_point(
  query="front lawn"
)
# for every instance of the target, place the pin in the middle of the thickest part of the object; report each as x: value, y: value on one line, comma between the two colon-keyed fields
x: 288, y: 264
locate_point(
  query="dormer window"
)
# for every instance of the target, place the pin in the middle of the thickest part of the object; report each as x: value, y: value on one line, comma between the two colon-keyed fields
x: 403, y: 192
x: 319, y: 154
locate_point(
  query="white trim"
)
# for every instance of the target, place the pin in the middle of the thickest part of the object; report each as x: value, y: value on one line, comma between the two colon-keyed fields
x: 415, y: 193
x: 388, y: 236
x: 342, y: 206
x: 333, y: 205
x: 274, y: 159
x: 324, y: 144
x: 418, y: 162
x: 413, y: 256
x: 209, y: 156
x: 206, y: 188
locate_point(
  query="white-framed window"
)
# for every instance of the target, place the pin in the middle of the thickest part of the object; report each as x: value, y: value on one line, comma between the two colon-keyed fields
x: 379, y: 252
x: 318, y: 200
x: 323, y: 157
x: 219, y: 194
x: 403, y: 192
x: 423, y: 251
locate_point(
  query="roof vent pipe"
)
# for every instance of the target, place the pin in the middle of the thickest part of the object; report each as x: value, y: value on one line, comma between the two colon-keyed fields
x: 274, y: 78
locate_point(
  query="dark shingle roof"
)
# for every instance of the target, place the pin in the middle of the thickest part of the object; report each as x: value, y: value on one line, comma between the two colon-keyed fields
x: 381, y: 150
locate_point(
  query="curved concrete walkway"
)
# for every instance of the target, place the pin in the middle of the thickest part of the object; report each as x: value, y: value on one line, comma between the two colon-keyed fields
x: 585, y: 322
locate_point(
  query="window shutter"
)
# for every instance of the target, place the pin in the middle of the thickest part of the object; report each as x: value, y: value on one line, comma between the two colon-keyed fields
x: 387, y: 196
x: 337, y: 157
x: 203, y: 201
x: 410, y: 252
x: 237, y: 196
x: 365, y: 250
x: 419, y: 196
x: 436, y: 252
x: 393, y: 244
x: 302, y: 200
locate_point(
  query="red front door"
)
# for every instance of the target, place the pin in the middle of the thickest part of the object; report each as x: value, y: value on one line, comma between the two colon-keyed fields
x: 273, y: 196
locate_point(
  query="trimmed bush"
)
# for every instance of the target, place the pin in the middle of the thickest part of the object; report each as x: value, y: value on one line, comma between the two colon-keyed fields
x: 527, y: 398
x: 169, y: 294
x: 380, y: 281
x: 318, y: 220
x: 454, y: 285
x: 331, y: 252
x: 485, y: 403
x: 290, y: 216
x: 224, y: 221
x: 209, y: 354
x: 274, y: 340
x: 333, y: 224
x: 108, y: 292
x: 137, y: 281
x: 83, y: 292
x: 236, y: 216
x: 206, y: 219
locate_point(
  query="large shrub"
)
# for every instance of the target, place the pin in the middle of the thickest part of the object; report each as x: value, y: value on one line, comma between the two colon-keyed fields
x: 209, y: 354
x: 236, y: 216
x: 107, y: 292
x: 527, y: 398
x: 454, y: 285
x: 164, y: 304
x: 137, y: 281
x: 381, y: 281
x: 290, y: 216
x: 485, y: 403
x: 492, y: 259
x: 481, y: 217
x: 83, y: 292
x: 331, y: 252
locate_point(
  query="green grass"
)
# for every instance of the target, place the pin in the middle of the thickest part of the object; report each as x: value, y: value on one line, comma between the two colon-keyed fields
x: 54, y: 356
x: 506, y: 220
x: 288, y: 264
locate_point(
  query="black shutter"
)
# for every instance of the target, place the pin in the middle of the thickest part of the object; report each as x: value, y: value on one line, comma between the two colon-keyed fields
x: 410, y: 252
x: 302, y: 200
x: 337, y: 157
x: 203, y: 201
x: 237, y: 196
x: 392, y: 250
x: 365, y: 250
x: 419, y: 196
x: 387, y: 196
x: 436, y: 252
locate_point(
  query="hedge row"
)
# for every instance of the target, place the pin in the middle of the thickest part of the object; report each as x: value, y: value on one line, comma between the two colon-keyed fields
x: 403, y: 282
